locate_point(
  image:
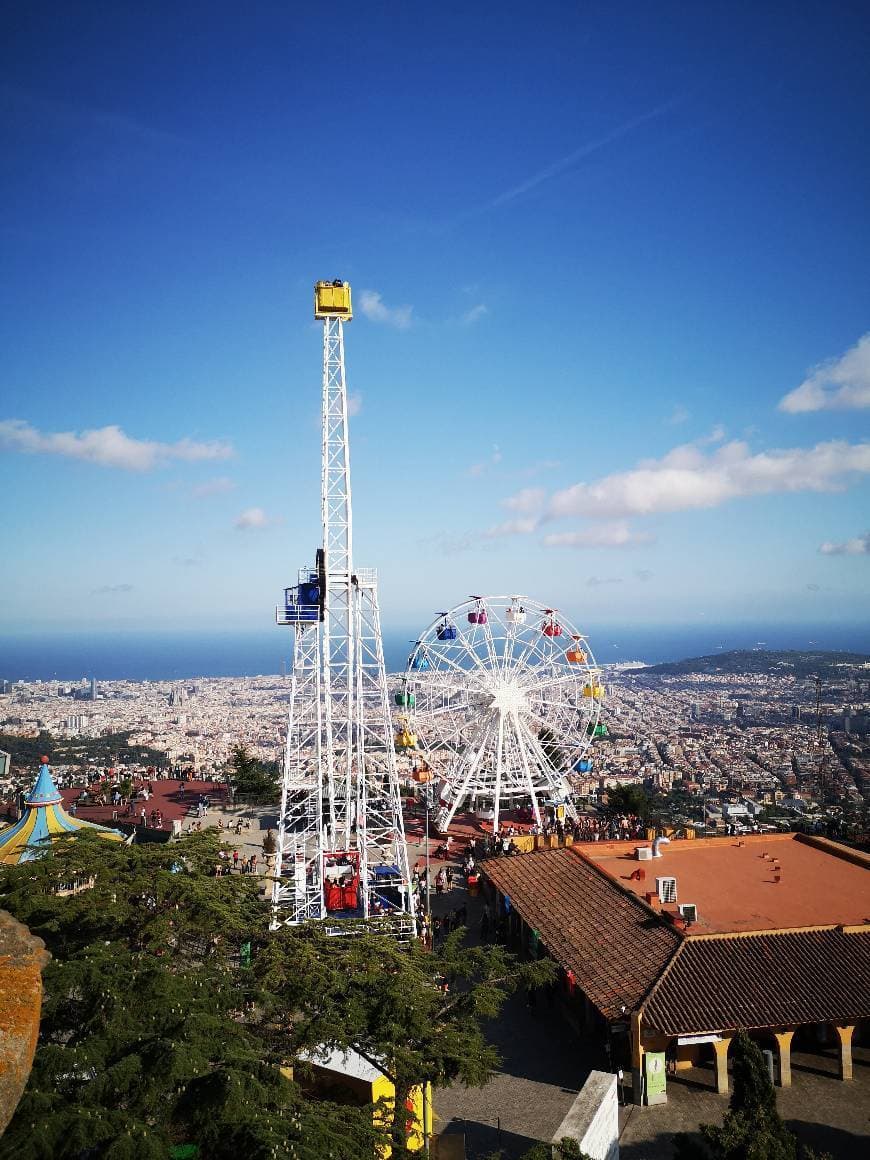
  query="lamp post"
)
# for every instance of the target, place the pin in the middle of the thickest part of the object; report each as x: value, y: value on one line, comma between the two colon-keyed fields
x: 427, y: 798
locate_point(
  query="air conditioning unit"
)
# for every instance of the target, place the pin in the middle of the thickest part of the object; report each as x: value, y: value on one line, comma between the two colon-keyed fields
x: 666, y: 888
x: 643, y: 853
x: 688, y: 911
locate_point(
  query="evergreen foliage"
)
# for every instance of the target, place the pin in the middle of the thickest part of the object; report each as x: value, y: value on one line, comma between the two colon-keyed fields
x: 252, y: 780
x: 752, y: 1128
x: 628, y: 799
x: 156, y: 1032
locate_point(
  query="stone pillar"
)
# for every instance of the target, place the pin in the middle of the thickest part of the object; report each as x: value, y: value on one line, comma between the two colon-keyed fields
x: 721, y: 1046
x: 636, y: 1058
x: 783, y: 1042
x: 844, y: 1034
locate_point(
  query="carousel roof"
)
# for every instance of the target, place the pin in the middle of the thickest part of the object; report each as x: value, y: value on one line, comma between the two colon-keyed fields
x: 44, y: 819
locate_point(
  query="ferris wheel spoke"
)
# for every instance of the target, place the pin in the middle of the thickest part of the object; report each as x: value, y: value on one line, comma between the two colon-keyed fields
x: 527, y: 769
x: 453, y: 666
x: 456, y: 732
x: 470, y: 653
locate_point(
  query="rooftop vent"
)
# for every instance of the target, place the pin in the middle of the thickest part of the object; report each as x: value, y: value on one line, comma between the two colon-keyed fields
x: 643, y: 853
x: 666, y: 888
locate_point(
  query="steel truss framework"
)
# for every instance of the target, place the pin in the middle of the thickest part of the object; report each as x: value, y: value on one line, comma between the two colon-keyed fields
x: 340, y: 794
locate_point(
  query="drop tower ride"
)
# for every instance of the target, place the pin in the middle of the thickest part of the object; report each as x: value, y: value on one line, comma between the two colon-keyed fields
x: 341, y: 850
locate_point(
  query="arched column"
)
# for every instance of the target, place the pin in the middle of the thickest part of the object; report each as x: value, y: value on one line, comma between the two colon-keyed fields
x: 721, y: 1047
x: 844, y: 1035
x: 783, y: 1043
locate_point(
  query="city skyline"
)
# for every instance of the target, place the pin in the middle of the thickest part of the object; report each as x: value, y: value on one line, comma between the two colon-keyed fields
x: 612, y: 333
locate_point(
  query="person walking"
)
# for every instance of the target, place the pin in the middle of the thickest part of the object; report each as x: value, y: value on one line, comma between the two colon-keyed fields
x: 235, y: 859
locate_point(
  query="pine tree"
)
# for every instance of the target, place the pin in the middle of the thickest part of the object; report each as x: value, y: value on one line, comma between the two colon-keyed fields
x: 752, y: 1128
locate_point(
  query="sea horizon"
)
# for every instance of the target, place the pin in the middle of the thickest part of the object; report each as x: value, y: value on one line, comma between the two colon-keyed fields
x: 186, y: 655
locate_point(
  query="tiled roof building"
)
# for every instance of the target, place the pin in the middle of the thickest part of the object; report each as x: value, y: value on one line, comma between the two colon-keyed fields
x: 779, y: 939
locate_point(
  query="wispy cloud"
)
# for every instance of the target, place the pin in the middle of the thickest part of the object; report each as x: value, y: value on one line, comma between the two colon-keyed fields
x: 112, y: 590
x: 688, y: 478
x: 254, y: 518
x: 219, y: 486
x: 678, y: 415
x: 478, y: 469
x: 859, y: 546
x: 522, y: 526
x: 375, y: 309
x: 576, y: 155
x: 598, y: 581
x: 643, y: 574
x: 474, y: 314
x: 107, y: 446
x: 186, y: 561
x: 354, y: 404
x: 613, y: 535
x: 836, y: 385
x: 529, y: 499
x: 539, y: 468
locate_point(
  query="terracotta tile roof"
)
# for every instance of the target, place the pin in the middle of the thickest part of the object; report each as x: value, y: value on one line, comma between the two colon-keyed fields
x: 763, y: 980
x: 615, y: 945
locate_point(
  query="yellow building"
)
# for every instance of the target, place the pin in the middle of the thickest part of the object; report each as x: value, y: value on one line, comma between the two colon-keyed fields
x: 346, y: 1077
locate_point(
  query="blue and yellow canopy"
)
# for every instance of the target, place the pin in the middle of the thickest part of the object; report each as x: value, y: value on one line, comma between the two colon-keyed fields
x: 44, y: 819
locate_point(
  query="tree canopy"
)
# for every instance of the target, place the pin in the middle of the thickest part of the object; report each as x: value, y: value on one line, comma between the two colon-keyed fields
x: 752, y: 1128
x: 251, y: 779
x: 170, y: 1007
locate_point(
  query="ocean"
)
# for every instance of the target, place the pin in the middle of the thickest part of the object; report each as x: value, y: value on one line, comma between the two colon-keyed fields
x: 158, y: 656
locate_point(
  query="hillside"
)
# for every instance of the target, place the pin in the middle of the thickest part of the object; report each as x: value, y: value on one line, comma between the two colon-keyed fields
x: 799, y: 663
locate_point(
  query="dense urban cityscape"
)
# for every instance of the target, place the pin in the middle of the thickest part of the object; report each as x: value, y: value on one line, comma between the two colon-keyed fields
x: 733, y: 744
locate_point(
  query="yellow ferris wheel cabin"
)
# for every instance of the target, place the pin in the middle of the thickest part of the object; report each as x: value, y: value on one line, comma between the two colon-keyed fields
x: 332, y: 300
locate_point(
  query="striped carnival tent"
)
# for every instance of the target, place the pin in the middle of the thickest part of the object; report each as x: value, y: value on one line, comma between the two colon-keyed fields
x: 44, y: 819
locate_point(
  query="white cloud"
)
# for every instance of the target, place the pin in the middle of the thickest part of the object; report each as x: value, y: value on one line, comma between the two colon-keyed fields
x: 597, y: 581
x: 522, y: 526
x: 839, y: 384
x: 688, y: 478
x: 254, y: 517
x: 678, y: 415
x: 538, y: 468
x: 478, y: 469
x: 576, y: 155
x: 107, y: 446
x: 374, y: 308
x: 219, y: 486
x: 529, y: 499
x: 474, y: 314
x: 354, y: 404
x: 613, y: 535
x: 643, y: 574
x: 859, y: 546
x: 112, y: 590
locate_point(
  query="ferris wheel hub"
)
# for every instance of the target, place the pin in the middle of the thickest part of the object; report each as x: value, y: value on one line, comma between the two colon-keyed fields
x: 509, y: 697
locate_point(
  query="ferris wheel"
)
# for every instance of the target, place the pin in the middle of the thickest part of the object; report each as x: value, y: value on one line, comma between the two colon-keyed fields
x: 503, y: 696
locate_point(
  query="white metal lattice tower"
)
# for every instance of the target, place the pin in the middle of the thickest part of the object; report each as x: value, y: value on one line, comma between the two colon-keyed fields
x: 341, y: 841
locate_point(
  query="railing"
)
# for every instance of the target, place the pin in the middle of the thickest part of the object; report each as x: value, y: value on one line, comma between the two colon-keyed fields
x: 297, y: 614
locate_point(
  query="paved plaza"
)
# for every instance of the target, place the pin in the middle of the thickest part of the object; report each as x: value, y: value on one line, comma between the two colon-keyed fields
x: 545, y: 1063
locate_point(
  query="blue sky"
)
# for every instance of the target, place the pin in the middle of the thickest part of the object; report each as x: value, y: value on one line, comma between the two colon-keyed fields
x: 610, y: 269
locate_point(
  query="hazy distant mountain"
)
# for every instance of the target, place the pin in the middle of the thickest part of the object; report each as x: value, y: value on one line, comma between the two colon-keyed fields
x: 798, y: 663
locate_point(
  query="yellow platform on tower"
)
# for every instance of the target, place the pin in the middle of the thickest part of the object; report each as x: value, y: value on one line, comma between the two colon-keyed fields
x: 332, y: 300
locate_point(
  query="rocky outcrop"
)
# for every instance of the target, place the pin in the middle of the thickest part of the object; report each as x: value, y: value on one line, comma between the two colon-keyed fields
x: 22, y: 958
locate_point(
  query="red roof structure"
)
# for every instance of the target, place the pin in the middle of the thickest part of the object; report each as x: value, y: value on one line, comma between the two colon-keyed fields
x: 759, y: 882
x: 615, y: 945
